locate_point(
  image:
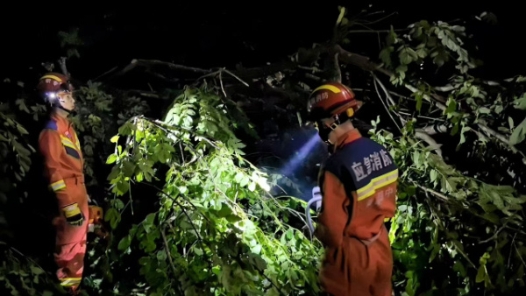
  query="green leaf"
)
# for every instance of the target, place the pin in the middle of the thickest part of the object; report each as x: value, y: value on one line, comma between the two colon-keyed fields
x: 481, y: 274
x: 519, y: 133
x: 385, y: 55
x: 36, y: 270
x: 124, y: 243
x: 111, y: 159
x: 520, y: 103
x: 114, y: 139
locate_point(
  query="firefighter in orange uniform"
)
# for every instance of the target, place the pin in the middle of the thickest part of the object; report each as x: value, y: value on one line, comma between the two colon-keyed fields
x: 63, y: 158
x: 358, y: 184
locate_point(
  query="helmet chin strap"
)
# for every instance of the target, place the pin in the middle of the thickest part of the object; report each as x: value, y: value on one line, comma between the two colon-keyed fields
x: 54, y: 101
x: 70, y: 112
x: 324, y: 134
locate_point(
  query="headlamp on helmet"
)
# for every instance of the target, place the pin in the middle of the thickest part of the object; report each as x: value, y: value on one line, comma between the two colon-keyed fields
x: 51, y: 84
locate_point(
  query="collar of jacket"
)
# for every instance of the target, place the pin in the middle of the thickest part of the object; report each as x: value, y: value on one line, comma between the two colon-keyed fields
x: 347, y: 138
x: 61, y: 120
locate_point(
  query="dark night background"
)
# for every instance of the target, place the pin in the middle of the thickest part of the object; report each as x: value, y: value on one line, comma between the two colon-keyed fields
x: 221, y: 34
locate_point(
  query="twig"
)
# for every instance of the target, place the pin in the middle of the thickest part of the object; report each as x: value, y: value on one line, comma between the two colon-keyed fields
x: 368, y: 31
x: 496, y: 234
x: 432, y: 192
x: 221, y: 83
x: 235, y: 76
x: 430, y: 141
x: 434, y: 129
x: 63, y: 68
x: 519, y: 255
x: 182, y: 153
x: 385, y: 90
x: 168, y: 252
x: 172, y: 80
x: 382, y: 18
x: 511, y: 250
x: 384, y: 104
x: 106, y: 73
x: 149, y: 63
x: 146, y: 93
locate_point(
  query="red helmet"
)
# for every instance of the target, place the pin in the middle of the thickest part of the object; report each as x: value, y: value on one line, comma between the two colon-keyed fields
x: 331, y: 99
x: 51, y: 83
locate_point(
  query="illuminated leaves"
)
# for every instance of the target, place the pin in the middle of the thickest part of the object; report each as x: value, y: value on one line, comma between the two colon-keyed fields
x: 214, y: 212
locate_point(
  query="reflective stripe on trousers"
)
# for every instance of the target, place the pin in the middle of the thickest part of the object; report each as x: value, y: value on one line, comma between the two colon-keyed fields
x: 70, y: 281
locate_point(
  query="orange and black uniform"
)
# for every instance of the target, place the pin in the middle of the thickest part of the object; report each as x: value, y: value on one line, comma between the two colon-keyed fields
x: 358, y: 184
x: 64, y: 162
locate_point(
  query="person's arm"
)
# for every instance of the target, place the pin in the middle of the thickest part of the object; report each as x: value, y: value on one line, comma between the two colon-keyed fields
x: 51, y: 148
x: 333, y: 218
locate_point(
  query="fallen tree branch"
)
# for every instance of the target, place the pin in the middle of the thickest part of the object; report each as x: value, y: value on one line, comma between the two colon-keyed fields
x: 375, y: 82
x: 307, y: 56
x: 150, y: 63
x: 364, y: 63
x: 430, y: 141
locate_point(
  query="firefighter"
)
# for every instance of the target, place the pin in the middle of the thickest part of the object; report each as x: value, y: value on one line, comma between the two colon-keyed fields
x: 358, y: 183
x: 63, y: 162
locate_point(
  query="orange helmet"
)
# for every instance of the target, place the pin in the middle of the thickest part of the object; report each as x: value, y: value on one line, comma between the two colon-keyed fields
x: 51, y: 83
x: 331, y: 99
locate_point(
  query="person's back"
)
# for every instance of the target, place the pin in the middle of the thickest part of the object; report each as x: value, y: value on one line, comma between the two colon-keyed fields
x: 358, y: 184
x: 373, y: 176
x: 360, y: 191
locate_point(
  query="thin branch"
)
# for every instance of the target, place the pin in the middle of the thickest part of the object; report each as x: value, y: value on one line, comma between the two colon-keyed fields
x: 149, y: 63
x: 145, y: 93
x: 235, y: 76
x: 63, y: 68
x: 437, y: 194
x: 170, y: 260
x: 388, y: 96
x: 496, y: 234
x: 384, y: 104
x: 221, y: 83
x: 106, y: 73
x: 368, y: 31
x: 430, y: 141
x: 382, y: 18
x: 171, y: 80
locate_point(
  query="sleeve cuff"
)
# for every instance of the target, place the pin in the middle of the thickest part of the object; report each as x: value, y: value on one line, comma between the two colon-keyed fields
x: 59, y: 185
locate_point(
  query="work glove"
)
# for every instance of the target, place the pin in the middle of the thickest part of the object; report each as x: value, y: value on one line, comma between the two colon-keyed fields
x: 73, y: 214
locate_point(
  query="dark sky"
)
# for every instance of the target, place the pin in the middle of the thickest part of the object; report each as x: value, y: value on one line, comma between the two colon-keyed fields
x: 221, y: 34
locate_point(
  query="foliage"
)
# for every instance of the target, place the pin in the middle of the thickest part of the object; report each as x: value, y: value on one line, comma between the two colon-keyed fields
x: 457, y: 222
x: 19, y: 272
x: 215, y: 231
x: 99, y: 115
x: 71, y: 41
x: 447, y: 219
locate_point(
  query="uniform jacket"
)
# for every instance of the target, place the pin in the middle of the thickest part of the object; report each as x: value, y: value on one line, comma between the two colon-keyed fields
x: 63, y: 158
x: 358, y: 184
